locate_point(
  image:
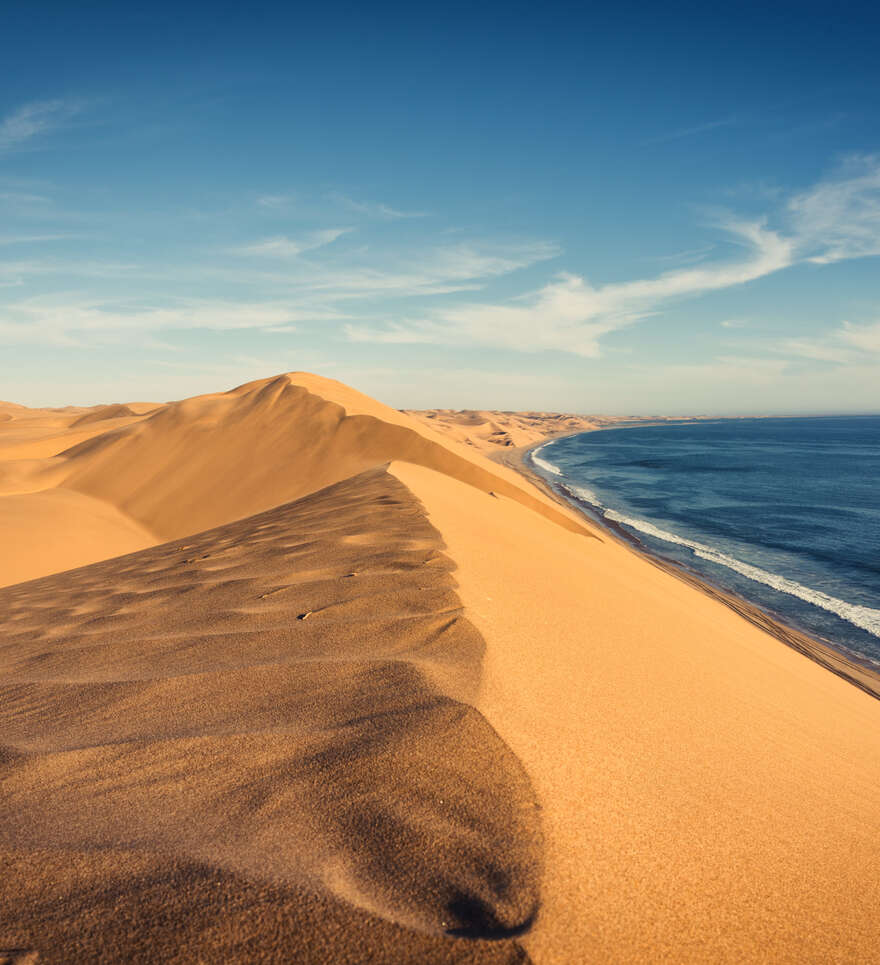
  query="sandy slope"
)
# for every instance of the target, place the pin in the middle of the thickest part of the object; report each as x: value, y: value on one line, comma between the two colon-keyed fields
x: 57, y: 529
x: 709, y: 794
x: 280, y: 737
x: 267, y: 710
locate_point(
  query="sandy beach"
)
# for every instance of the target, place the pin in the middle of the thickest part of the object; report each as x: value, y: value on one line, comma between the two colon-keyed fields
x: 288, y: 675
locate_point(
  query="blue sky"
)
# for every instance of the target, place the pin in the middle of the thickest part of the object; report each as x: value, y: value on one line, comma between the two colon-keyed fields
x: 650, y: 208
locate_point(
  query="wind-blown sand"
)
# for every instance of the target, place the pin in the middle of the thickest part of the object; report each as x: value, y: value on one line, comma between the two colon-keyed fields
x: 410, y: 713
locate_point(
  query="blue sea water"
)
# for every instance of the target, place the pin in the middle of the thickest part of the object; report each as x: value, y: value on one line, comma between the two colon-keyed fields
x: 783, y: 512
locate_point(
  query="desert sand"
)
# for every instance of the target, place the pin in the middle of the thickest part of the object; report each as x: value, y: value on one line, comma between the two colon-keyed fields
x: 489, y: 431
x: 497, y: 433
x: 357, y: 693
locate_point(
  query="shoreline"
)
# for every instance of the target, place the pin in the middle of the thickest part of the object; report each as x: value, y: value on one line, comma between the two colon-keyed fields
x: 818, y: 651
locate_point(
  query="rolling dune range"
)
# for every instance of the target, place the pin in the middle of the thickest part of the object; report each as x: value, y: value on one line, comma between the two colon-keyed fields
x: 357, y: 693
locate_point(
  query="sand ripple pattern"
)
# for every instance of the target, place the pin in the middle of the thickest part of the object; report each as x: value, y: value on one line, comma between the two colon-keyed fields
x: 256, y: 744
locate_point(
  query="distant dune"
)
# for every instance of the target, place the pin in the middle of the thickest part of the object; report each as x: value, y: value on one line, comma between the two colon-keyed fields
x: 492, y: 430
x: 101, y: 413
x: 287, y: 675
x: 187, y: 466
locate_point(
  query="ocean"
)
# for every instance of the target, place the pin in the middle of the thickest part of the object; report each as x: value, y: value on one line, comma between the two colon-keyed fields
x: 785, y: 513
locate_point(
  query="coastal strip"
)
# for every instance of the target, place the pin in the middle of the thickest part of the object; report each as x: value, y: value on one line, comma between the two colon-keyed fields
x: 858, y: 674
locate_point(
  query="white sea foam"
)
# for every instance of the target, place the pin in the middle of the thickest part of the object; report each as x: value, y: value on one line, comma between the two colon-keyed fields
x: 860, y: 616
x: 543, y: 464
x: 584, y: 494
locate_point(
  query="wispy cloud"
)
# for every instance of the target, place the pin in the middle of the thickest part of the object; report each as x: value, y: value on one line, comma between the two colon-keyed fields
x: 22, y: 198
x: 374, y: 209
x: 815, y: 349
x: 275, y: 201
x: 282, y: 247
x: 35, y: 119
x: 67, y: 318
x: 33, y: 239
x: 863, y: 337
x: 385, y: 291
x: 836, y: 219
x: 570, y: 315
x: 681, y: 132
x: 849, y: 344
x: 839, y: 218
x: 437, y: 270
x: 321, y: 288
x: 688, y: 256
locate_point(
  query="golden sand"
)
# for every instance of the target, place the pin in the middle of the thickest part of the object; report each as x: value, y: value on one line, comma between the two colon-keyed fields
x: 328, y: 710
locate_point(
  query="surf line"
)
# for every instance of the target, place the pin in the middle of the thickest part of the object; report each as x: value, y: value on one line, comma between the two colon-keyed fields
x: 863, y: 617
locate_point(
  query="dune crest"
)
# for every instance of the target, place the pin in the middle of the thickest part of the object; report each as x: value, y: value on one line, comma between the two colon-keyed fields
x: 174, y: 709
x: 195, y: 464
x: 709, y: 794
x: 102, y: 413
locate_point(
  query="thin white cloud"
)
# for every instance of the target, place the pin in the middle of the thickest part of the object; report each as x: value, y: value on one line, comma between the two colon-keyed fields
x: 33, y: 239
x: 34, y: 119
x: 294, y: 292
x: 275, y: 200
x: 704, y: 128
x: 287, y: 280
x: 570, y: 315
x: 282, y: 247
x: 22, y: 198
x: 814, y: 350
x: 441, y: 270
x: 319, y: 282
x: 688, y: 256
x: 68, y: 318
x: 864, y: 337
x: 375, y: 209
x: 839, y: 218
x: 848, y: 345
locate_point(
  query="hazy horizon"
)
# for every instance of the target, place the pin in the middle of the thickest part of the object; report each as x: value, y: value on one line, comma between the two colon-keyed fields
x: 645, y: 414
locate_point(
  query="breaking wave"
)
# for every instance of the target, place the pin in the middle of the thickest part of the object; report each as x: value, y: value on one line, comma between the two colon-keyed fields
x: 866, y: 618
x: 860, y: 616
x: 542, y: 463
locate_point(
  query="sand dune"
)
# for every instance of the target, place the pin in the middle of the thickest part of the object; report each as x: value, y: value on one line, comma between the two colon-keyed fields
x: 411, y: 714
x: 268, y: 709
x: 41, y: 433
x: 488, y: 431
x: 709, y: 794
x: 205, y: 461
x: 495, y: 433
x: 103, y: 412
x: 60, y: 529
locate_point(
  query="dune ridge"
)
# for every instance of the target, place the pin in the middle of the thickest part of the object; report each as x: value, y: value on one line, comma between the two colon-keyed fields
x: 201, y: 462
x: 709, y: 794
x: 279, y: 707
x: 102, y: 413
